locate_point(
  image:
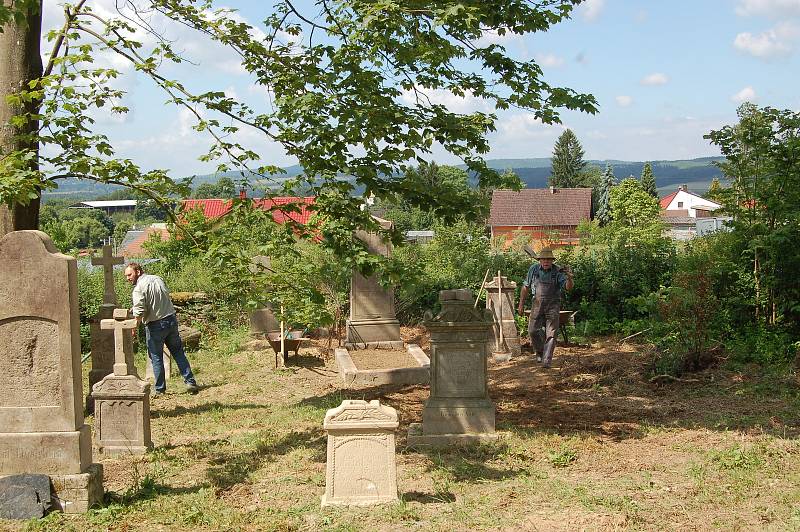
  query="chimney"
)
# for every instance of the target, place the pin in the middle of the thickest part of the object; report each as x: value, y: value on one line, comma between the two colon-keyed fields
x: 553, y: 190
x: 242, y: 193
x: 684, y: 188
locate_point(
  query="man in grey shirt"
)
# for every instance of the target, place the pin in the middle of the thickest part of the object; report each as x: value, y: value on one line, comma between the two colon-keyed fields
x: 153, y: 307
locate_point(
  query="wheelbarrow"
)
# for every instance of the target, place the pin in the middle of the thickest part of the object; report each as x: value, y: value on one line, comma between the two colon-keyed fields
x: 292, y: 342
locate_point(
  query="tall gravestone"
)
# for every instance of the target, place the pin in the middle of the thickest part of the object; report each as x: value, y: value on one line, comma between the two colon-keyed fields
x: 459, y: 409
x: 122, y: 399
x: 373, y: 322
x: 500, y: 301
x: 42, y: 429
x: 361, y: 466
x: 262, y: 320
x: 102, y: 342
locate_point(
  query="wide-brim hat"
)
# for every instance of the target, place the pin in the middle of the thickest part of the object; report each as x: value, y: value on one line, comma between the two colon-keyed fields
x: 545, y: 253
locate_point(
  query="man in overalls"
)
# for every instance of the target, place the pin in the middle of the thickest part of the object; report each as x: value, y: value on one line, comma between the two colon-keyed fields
x: 546, y: 282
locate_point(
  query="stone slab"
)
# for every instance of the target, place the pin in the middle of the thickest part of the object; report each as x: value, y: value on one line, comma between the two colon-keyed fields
x: 350, y: 374
x: 49, y: 453
x: 77, y: 493
x: 373, y: 334
x: 24, y: 496
x: 122, y: 417
x: 453, y: 417
x: 417, y: 439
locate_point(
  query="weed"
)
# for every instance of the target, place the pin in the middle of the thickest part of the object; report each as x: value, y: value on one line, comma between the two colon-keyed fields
x: 563, y: 457
x: 736, y: 458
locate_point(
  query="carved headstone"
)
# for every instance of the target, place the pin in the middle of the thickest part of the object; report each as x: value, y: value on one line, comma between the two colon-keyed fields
x: 361, y: 467
x: 102, y: 342
x: 122, y: 399
x: 500, y: 301
x: 42, y: 429
x: 459, y: 408
x: 373, y: 321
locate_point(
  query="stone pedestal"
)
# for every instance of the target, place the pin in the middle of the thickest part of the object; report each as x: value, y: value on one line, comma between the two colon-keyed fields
x: 459, y: 409
x: 42, y: 429
x: 373, y: 322
x: 500, y: 301
x: 361, y: 467
x: 122, y: 399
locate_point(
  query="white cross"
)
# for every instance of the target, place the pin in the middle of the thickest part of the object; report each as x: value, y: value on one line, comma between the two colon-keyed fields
x: 107, y: 262
x: 120, y: 325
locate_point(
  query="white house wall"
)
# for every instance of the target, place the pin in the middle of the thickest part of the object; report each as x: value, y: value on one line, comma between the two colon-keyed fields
x: 691, y: 202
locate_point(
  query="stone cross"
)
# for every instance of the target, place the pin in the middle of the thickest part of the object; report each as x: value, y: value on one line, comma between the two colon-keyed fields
x: 121, y: 326
x: 108, y: 262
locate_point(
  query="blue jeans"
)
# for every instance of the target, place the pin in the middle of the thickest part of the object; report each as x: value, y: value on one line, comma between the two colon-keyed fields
x: 158, y: 333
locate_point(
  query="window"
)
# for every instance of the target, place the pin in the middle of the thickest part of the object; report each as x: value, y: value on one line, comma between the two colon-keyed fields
x: 680, y: 204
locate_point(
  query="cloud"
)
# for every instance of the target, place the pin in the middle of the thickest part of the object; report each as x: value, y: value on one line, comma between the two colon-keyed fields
x: 549, y: 60
x: 747, y: 94
x: 591, y: 10
x: 770, y: 8
x: 773, y: 43
x: 656, y: 78
x: 456, y: 104
x: 624, y: 101
x: 493, y: 37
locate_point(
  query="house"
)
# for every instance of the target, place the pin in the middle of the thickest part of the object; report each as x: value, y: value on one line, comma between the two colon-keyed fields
x: 542, y: 216
x: 108, y: 206
x: 132, y: 245
x: 682, y: 199
x: 679, y: 225
x: 216, y: 208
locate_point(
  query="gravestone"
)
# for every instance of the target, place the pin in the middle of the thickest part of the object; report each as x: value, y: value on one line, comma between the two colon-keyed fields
x: 101, y: 341
x: 373, y: 322
x: 500, y: 301
x: 262, y: 320
x: 42, y: 429
x: 361, y: 467
x: 122, y: 399
x: 459, y: 409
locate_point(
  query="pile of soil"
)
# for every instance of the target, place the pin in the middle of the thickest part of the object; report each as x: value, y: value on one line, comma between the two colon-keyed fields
x: 382, y: 358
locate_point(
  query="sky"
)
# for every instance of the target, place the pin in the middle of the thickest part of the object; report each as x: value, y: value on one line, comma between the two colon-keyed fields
x: 664, y: 73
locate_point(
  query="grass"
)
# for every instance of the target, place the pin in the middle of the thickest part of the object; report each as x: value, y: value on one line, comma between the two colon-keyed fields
x: 589, y: 445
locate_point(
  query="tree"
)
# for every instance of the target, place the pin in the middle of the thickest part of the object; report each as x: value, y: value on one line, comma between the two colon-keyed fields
x: 223, y: 188
x: 349, y: 90
x: 567, y: 162
x: 762, y: 163
x: 648, y: 180
x: 604, y: 214
x: 715, y: 190
x: 632, y: 206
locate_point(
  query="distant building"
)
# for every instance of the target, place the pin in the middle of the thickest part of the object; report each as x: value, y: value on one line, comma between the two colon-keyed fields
x: 695, y: 205
x: 132, y: 245
x: 216, y: 208
x: 108, y: 206
x: 541, y: 216
x: 420, y: 237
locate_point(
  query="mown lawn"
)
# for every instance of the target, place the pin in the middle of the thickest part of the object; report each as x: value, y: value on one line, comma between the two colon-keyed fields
x: 591, y: 444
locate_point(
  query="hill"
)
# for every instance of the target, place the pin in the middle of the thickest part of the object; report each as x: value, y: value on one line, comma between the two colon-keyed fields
x: 695, y: 173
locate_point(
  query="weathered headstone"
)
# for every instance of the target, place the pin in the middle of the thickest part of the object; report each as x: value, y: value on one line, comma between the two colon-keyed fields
x: 373, y: 322
x: 102, y: 342
x: 122, y: 399
x: 459, y: 409
x: 42, y: 429
x: 361, y: 467
x: 500, y: 301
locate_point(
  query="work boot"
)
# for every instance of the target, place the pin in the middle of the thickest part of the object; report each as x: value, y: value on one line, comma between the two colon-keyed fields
x: 192, y: 388
x: 539, y: 358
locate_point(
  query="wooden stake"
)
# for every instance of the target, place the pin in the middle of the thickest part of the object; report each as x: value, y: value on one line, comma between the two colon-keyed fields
x: 478, y: 298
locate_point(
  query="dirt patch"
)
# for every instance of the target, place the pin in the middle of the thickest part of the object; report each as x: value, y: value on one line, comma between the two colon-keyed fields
x: 382, y: 359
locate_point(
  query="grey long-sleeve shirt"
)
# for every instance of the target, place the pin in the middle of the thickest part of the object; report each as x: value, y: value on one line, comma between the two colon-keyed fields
x: 151, y: 299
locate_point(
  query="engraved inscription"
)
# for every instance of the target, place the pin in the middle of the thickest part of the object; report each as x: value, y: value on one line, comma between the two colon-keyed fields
x: 119, y: 420
x: 355, y: 476
x: 459, y: 374
x: 30, y: 363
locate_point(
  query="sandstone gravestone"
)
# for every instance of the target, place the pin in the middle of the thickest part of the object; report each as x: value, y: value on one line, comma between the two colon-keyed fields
x: 361, y: 466
x: 459, y: 409
x: 500, y: 301
x: 122, y: 399
x: 41, y: 409
x: 373, y: 322
x: 102, y: 342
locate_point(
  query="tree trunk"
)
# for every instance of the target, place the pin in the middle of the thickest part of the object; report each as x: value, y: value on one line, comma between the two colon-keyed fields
x: 20, y: 62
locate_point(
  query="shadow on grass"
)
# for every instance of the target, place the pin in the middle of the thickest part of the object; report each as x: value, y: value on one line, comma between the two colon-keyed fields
x: 471, y: 462
x: 205, y: 407
x: 148, y: 489
x: 428, y: 498
x: 230, y: 468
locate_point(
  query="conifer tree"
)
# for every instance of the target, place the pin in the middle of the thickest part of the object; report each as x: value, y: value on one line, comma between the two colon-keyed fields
x: 567, y: 163
x: 603, y: 205
x: 714, y: 190
x: 648, y: 180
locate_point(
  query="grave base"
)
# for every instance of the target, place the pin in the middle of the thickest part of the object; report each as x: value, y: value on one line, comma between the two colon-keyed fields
x: 74, y: 494
x: 458, y: 416
x: 63, y: 453
x: 373, y: 334
x: 417, y: 438
x: 358, y: 501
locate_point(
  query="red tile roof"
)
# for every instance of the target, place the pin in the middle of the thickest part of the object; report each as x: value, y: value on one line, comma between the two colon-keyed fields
x: 135, y: 249
x: 666, y: 200
x: 541, y: 207
x: 214, y: 208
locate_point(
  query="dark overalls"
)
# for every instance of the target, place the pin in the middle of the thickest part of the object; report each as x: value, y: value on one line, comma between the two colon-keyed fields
x: 544, y: 315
